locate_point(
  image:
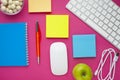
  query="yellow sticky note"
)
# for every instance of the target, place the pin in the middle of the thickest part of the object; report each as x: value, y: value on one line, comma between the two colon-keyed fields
x: 57, y: 26
x: 39, y: 5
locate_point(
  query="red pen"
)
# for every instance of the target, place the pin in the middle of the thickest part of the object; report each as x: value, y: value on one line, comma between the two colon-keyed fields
x: 38, y: 40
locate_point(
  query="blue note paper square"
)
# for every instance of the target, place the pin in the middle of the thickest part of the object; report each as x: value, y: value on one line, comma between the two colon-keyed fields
x: 84, y: 46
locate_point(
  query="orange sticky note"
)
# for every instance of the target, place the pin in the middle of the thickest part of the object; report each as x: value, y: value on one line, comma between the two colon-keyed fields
x: 39, y: 5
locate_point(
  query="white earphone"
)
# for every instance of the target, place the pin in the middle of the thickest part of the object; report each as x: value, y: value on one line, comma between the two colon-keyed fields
x: 105, y: 54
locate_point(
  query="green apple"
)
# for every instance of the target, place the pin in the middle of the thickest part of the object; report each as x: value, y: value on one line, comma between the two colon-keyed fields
x: 82, y: 72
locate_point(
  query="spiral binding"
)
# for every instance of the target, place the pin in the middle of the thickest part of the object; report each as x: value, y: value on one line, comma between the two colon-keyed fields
x: 26, y: 35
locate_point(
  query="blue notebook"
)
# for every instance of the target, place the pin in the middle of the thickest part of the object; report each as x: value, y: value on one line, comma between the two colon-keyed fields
x: 84, y: 46
x: 13, y: 44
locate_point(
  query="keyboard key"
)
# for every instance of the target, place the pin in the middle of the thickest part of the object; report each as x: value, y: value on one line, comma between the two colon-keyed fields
x: 91, y: 2
x: 74, y: 9
x: 115, y: 28
x: 113, y: 34
x: 118, y: 31
x: 112, y: 19
x: 109, y: 30
x: 69, y: 6
x: 118, y: 17
x: 96, y: 0
x: 87, y: 13
x: 79, y: 1
x: 97, y: 14
x: 78, y: 6
x: 109, y: 10
x: 108, y: 16
x: 88, y: 7
x: 114, y: 13
x: 111, y: 3
x: 73, y: 2
x: 118, y: 10
x: 115, y: 7
x: 117, y: 23
x: 107, y: 1
x: 100, y: 23
x: 110, y: 38
x: 117, y: 37
x: 106, y: 20
x: 93, y: 10
x: 97, y: 28
x: 83, y: 17
x: 110, y: 24
x: 105, y: 27
x: 99, y: 9
x: 78, y: 13
x: 102, y: 17
x: 105, y: 6
x: 95, y: 5
x: 83, y: 9
x: 101, y: 3
x: 104, y: 12
x: 92, y: 17
x: 96, y: 20
x: 84, y: 4
x: 115, y: 42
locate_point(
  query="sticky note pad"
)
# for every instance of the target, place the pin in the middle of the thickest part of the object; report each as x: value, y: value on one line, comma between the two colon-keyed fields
x: 57, y: 26
x: 39, y: 6
x: 84, y: 46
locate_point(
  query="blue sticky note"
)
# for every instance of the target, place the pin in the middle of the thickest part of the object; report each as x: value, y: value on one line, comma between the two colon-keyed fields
x: 84, y: 46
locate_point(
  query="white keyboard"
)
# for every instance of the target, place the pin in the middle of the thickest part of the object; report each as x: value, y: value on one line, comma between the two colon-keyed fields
x: 101, y: 15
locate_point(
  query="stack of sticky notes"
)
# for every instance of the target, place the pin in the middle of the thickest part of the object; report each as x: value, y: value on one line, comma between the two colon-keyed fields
x: 57, y: 26
x: 39, y: 6
x: 84, y: 46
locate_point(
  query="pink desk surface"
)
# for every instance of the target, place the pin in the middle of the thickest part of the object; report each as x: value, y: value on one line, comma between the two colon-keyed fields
x: 43, y: 71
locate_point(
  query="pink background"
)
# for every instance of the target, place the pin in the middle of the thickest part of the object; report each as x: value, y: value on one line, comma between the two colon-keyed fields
x: 43, y: 71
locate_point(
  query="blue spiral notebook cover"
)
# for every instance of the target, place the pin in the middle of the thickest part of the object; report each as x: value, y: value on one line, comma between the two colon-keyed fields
x: 13, y: 44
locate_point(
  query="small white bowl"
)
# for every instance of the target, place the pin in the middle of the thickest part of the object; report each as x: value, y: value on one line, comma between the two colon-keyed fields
x: 13, y: 12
